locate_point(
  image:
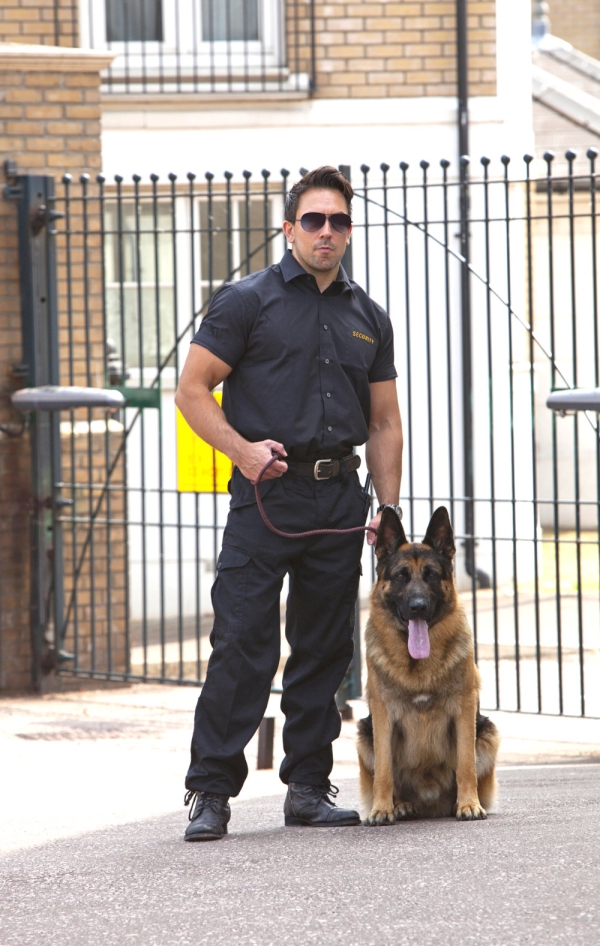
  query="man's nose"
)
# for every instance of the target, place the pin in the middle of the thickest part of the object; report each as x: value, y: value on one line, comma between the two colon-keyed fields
x: 326, y: 229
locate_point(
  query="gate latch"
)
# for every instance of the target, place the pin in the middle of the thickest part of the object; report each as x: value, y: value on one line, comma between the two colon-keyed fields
x: 42, y: 216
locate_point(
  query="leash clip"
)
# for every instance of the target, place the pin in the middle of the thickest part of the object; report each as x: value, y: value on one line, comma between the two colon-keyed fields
x: 317, y: 470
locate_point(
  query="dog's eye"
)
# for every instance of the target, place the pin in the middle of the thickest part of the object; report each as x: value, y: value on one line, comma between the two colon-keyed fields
x: 430, y: 576
x: 403, y: 575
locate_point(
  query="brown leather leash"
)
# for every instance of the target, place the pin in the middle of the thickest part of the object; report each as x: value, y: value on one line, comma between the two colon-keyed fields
x: 297, y: 535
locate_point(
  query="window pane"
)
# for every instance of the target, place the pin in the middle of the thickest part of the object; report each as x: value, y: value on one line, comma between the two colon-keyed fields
x: 256, y: 242
x: 216, y: 242
x: 229, y: 20
x: 138, y: 255
x: 133, y: 20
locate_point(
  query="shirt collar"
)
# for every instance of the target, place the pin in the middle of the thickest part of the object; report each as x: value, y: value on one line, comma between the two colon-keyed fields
x: 291, y: 268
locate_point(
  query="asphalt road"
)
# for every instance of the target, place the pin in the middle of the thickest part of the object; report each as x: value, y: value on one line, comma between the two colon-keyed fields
x: 528, y: 875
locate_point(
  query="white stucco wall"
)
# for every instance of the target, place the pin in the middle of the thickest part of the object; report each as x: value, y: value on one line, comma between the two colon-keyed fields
x: 162, y: 137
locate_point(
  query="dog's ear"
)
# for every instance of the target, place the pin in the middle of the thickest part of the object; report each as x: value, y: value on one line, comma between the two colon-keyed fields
x: 440, y: 536
x: 390, y: 534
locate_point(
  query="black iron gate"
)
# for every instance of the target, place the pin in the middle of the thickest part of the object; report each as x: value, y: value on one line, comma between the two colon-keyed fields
x: 141, y: 503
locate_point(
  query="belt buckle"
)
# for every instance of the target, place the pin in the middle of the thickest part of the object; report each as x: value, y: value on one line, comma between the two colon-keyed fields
x: 317, y: 470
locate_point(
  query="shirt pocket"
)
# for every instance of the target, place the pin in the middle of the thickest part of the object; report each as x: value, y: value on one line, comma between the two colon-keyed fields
x: 358, y: 349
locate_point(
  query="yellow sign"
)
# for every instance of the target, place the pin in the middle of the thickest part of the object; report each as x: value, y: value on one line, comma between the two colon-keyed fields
x: 200, y: 468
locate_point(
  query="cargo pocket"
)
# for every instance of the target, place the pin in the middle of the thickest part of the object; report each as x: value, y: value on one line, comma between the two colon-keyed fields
x: 228, y: 592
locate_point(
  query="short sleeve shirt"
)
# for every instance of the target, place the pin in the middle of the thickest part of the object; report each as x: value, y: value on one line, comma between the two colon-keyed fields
x: 301, y: 360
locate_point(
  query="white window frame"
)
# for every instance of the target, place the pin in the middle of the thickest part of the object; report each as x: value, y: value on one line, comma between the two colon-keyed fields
x: 183, y: 50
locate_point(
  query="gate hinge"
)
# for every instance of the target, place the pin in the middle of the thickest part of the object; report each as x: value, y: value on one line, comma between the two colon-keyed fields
x: 12, y: 192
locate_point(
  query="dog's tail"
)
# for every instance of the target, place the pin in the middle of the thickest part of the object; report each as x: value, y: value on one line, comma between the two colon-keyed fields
x: 488, y: 742
x: 364, y: 727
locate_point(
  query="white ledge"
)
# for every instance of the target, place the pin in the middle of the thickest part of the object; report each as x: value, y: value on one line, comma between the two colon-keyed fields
x: 52, y: 58
x: 118, y: 101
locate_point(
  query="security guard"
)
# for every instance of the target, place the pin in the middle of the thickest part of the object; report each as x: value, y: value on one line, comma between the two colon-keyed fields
x: 306, y: 358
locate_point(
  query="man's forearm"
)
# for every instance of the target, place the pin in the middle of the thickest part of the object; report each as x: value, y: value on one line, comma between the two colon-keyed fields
x: 384, y: 462
x: 208, y: 421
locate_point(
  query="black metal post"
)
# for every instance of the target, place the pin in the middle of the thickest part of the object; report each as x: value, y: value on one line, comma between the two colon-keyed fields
x: 347, y: 257
x: 351, y: 687
x: 39, y: 321
x: 266, y: 740
x: 480, y: 578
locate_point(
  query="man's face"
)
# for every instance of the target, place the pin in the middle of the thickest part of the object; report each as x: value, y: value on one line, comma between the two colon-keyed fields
x: 322, y: 251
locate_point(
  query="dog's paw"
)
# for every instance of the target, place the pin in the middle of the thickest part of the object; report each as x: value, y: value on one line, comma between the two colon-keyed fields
x: 470, y: 813
x: 378, y: 817
x: 403, y: 810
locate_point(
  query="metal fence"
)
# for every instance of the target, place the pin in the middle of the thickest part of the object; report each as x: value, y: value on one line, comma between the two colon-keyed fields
x: 203, y: 46
x: 139, y: 507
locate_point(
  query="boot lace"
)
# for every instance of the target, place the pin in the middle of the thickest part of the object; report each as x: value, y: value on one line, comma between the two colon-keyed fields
x: 200, y: 801
x: 328, y: 792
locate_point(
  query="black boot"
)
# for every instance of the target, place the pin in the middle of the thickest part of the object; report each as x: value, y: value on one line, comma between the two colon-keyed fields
x: 209, y: 816
x: 310, y: 805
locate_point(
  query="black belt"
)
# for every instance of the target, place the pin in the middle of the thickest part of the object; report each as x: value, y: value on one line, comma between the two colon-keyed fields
x: 324, y: 469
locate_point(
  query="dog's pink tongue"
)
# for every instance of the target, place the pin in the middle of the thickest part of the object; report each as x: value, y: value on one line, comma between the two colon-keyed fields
x: 418, y: 639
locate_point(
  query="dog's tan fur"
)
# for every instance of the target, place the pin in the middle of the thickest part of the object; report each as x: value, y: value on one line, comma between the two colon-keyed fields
x: 430, y: 753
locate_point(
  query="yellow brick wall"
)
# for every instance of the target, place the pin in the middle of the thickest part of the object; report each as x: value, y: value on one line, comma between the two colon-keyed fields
x: 365, y: 49
x: 45, y: 22
x: 381, y: 49
x: 49, y: 124
x: 578, y: 22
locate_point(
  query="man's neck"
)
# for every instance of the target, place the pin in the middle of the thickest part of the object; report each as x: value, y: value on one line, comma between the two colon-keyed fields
x: 323, y: 279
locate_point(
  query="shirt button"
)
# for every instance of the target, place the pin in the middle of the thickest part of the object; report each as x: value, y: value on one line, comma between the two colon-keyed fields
x: 328, y: 394
x: 327, y: 361
x: 330, y: 428
x: 325, y: 327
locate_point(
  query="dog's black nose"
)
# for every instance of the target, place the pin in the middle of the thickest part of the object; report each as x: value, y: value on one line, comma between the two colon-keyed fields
x: 417, y: 607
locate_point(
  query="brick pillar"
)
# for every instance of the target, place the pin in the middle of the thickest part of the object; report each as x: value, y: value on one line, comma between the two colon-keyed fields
x: 49, y: 123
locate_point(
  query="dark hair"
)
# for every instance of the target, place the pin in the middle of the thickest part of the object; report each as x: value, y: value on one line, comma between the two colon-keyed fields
x: 327, y: 176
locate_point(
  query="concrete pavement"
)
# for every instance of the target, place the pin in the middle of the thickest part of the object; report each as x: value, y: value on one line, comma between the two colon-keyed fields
x: 92, y: 825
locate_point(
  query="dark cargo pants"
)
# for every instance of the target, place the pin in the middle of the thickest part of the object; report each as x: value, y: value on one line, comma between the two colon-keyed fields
x: 324, y: 573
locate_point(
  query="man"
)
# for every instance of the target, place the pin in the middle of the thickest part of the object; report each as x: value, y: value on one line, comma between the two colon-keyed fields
x: 307, y: 364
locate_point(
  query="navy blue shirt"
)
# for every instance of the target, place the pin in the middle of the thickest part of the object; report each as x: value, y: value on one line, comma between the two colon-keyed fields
x: 301, y: 360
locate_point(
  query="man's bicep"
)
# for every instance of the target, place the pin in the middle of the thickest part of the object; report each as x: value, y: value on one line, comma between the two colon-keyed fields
x: 202, y: 368
x: 384, y: 404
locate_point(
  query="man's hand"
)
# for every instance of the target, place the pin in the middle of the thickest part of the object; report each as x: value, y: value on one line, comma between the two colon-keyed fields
x: 374, y: 524
x: 251, y: 457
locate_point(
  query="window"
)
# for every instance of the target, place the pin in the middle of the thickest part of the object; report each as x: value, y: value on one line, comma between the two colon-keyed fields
x: 151, y: 270
x: 233, y: 241
x: 230, y: 20
x: 134, y: 20
x: 191, y: 45
x: 139, y: 283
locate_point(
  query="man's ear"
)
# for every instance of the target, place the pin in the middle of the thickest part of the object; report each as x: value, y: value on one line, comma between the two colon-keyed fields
x: 440, y: 536
x: 390, y: 535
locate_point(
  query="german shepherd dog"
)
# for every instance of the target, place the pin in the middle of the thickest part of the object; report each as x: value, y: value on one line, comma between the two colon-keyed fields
x: 425, y: 750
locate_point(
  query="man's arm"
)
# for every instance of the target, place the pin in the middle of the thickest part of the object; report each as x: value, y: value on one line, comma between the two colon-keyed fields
x: 384, y: 447
x: 202, y: 372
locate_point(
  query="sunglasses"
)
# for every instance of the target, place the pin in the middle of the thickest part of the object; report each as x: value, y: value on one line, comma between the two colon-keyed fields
x: 313, y: 222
